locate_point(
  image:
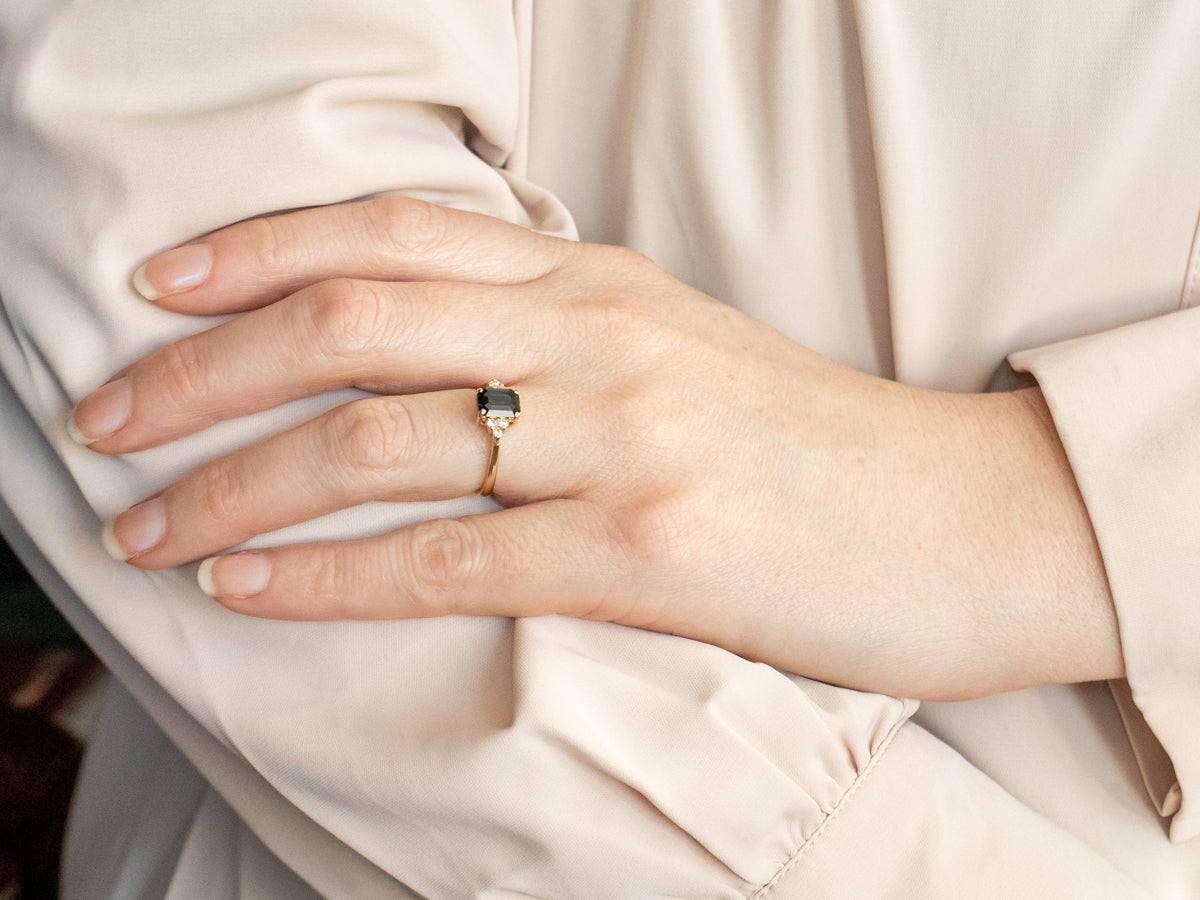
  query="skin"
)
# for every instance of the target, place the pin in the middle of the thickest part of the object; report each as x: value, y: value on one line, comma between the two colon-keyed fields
x: 679, y: 466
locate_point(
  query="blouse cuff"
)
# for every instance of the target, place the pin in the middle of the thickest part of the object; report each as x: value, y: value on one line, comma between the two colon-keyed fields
x: 1126, y: 404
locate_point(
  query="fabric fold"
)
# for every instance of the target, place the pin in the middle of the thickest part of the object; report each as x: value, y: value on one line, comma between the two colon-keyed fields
x: 1126, y: 404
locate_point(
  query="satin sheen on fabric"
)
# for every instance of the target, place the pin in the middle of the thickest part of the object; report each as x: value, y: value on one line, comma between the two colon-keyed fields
x: 918, y: 190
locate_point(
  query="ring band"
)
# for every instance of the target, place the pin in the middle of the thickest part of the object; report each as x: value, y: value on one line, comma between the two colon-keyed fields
x: 499, y: 407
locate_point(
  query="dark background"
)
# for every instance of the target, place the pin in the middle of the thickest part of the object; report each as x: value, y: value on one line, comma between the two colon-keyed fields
x: 45, y: 670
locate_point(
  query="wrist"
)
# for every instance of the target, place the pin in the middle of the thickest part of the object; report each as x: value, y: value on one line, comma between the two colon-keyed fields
x: 1049, y: 571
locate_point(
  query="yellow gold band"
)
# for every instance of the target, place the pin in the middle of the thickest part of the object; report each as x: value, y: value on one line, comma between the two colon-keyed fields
x: 489, y: 480
x: 499, y: 407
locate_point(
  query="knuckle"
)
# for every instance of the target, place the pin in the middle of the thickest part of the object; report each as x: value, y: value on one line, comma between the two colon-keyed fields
x: 621, y: 323
x: 443, y: 554
x: 223, y: 493
x: 648, y: 418
x: 183, y: 372
x: 410, y: 227
x: 618, y: 258
x: 349, y: 317
x: 656, y: 535
x: 609, y: 321
x: 269, y: 243
x: 612, y: 265
x: 329, y: 587
x: 374, y: 437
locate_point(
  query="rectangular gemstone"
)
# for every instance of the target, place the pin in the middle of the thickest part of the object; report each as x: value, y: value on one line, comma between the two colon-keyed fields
x: 499, y: 403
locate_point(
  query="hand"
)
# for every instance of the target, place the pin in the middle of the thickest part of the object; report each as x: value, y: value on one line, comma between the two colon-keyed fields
x: 678, y: 466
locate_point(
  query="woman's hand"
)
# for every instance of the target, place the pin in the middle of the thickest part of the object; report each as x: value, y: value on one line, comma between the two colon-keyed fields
x: 678, y: 466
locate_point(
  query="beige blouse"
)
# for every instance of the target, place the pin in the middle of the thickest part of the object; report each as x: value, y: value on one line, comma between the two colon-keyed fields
x: 920, y: 189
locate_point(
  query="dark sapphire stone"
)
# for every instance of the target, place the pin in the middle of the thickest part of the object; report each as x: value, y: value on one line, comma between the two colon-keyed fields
x: 499, y: 403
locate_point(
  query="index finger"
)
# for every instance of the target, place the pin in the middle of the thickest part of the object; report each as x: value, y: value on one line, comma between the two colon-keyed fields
x: 259, y: 261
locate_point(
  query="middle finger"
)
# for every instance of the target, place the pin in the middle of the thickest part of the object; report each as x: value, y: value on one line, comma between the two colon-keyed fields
x: 381, y: 337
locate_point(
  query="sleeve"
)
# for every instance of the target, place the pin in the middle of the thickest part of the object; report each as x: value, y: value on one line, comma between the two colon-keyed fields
x: 455, y: 756
x: 1127, y: 407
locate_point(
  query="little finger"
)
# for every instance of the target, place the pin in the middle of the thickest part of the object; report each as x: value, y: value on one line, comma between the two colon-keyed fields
x: 550, y: 558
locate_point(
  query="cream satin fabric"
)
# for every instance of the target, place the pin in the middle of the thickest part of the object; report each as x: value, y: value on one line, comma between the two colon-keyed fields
x: 917, y: 189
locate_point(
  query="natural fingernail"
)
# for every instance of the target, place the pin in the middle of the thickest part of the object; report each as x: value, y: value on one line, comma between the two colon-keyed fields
x: 173, y: 271
x: 102, y: 412
x: 136, y: 530
x: 238, y: 575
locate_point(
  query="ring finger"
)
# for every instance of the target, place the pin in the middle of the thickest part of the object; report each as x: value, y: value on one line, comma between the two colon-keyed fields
x: 416, y: 447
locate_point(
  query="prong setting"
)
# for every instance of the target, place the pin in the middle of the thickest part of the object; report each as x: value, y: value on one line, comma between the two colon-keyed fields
x: 499, y: 407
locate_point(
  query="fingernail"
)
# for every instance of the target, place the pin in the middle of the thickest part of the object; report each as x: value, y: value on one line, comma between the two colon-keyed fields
x: 136, y: 530
x: 173, y: 271
x: 238, y: 575
x: 102, y: 412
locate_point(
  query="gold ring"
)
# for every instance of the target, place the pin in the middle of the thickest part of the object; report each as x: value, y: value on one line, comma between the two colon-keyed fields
x: 499, y: 407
